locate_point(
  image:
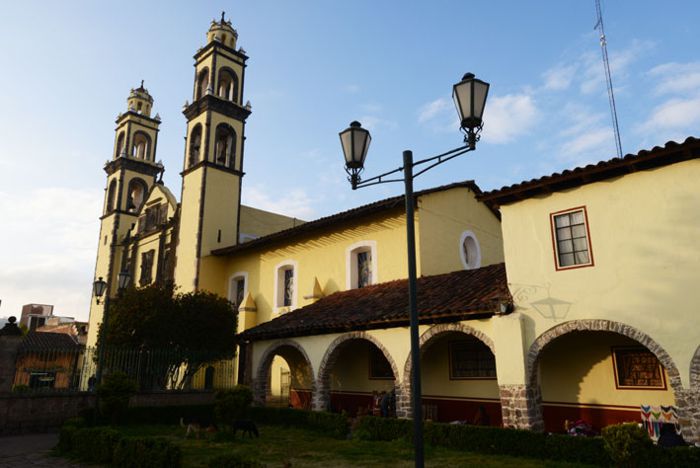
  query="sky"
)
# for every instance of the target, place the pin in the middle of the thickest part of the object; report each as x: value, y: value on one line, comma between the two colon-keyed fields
x: 314, y: 67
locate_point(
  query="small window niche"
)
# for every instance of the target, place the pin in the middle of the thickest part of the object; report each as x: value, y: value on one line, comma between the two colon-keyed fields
x: 238, y: 289
x: 361, y: 265
x: 285, y: 286
x: 469, y: 250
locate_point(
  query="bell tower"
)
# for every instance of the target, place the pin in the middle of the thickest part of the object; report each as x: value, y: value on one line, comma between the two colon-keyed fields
x: 213, y: 162
x: 131, y: 172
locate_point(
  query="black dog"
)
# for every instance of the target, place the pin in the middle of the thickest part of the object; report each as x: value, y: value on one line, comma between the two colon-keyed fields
x: 246, y: 426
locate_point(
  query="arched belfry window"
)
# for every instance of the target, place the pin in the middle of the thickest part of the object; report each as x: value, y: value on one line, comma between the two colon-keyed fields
x: 202, y: 83
x: 111, y: 195
x: 228, y: 85
x: 119, y: 149
x: 141, y: 146
x: 195, y: 145
x: 136, y: 195
x: 225, y: 146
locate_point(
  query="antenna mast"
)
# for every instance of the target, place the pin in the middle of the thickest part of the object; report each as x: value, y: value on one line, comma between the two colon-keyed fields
x: 608, y: 79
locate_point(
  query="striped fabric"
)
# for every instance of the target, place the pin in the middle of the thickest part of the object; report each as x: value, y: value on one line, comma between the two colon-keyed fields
x: 653, y: 417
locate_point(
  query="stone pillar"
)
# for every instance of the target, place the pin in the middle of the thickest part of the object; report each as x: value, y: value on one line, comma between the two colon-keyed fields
x: 688, y: 406
x: 521, y: 407
x: 321, y: 396
x: 404, y: 410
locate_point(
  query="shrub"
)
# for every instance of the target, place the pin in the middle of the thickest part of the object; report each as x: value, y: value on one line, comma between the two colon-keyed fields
x: 65, y: 439
x: 146, y: 452
x: 333, y: 424
x: 627, y: 444
x: 94, y: 444
x: 169, y: 414
x: 233, y: 404
x: 114, y: 393
x: 233, y: 460
x: 20, y: 388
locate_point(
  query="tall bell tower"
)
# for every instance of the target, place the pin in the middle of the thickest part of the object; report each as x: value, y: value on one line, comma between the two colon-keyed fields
x: 213, y: 163
x: 131, y: 172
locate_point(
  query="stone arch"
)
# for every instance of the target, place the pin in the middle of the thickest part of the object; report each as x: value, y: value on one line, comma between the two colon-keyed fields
x: 695, y: 371
x: 640, y: 337
x: 322, y: 400
x: 262, y: 376
x: 424, y: 342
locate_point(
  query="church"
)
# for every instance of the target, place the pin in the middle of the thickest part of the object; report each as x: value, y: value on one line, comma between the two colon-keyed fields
x: 571, y: 296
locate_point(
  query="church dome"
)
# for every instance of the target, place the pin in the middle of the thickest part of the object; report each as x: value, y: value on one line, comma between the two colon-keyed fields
x: 222, y: 31
x: 140, y: 101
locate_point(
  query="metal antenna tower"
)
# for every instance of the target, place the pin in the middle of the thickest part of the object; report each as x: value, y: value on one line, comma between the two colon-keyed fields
x: 608, y: 78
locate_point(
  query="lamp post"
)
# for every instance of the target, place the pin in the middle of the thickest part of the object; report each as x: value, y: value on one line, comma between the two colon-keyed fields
x: 470, y: 98
x: 99, y: 288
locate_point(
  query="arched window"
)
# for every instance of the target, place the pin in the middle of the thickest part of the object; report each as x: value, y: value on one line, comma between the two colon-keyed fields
x: 141, y: 146
x: 228, y: 85
x: 136, y: 195
x: 361, y: 264
x: 237, y: 289
x: 195, y: 145
x: 111, y: 194
x: 119, y: 149
x: 202, y: 83
x: 285, y: 286
x: 225, y: 146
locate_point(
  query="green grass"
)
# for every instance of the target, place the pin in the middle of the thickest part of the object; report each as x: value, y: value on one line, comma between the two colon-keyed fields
x: 303, y: 448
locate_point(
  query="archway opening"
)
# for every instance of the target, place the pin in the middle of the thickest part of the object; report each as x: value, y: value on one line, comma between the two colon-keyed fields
x: 359, y: 377
x: 600, y: 378
x: 289, y: 378
x: 458, y: 380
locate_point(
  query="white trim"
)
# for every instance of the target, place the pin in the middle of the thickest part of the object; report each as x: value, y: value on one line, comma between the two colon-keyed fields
x: 278, y: 309
x: 476, y: 262
x: 351, y: 264
x: 238, y: 274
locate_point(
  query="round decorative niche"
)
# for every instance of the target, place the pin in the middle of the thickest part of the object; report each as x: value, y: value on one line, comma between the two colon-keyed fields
x: 469, y: 251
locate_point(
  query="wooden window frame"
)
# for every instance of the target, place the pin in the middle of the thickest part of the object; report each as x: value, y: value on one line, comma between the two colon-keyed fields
x: 451, y: 345
x: 615, y: 349
x: 555, y: 243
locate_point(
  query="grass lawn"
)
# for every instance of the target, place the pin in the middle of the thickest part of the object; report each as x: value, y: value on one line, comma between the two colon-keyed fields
x: 303, y: 448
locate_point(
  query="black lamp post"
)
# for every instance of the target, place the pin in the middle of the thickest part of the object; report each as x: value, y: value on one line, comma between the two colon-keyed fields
x: 470, y: 98
x: 100, y: 287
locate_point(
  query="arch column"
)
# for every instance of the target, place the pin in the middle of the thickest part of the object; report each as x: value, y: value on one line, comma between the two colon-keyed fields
x: 321, y: 399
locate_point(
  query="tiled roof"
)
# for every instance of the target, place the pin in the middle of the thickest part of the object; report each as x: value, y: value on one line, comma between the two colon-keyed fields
x: 450, y: 297
x: 671, y: 153
x: 45, y: 341
x: 352, y: 214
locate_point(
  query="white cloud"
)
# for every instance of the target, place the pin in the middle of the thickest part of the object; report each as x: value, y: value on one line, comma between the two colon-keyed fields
x: 510, y: 116
x: 593, y: 76
x: 674, y: 114
x: 296, y: 203
x: 47, y: 247
x: 559, y: 78
x: 593, y: 142
x: 372, y: 122
x: 433, y: 109
x: 676, y: 78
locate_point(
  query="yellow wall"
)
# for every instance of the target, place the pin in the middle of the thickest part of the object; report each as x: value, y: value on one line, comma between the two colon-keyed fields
x: 644, y: 230
x: 186, y: 264
x: 443, y: 217
x: 351, y: 373
x: 579, y: 368
x: 258, y: 223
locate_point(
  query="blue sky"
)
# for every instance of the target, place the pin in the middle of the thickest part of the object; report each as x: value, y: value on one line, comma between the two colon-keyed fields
x: 315, y: 66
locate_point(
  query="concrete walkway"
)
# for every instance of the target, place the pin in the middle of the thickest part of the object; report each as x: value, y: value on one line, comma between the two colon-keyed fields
x: 31, y: 450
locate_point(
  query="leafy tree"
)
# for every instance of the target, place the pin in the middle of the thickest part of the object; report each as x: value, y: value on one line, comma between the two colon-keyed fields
x: 173, y: 335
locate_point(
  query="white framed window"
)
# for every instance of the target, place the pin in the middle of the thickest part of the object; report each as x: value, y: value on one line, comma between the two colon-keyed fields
x: 361, y: 265
x: 469, y: 250
x: 286, y: 286
x: 238, y: 288
x: 571, y: 238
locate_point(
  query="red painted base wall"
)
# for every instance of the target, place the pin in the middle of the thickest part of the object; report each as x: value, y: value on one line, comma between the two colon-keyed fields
x: 465, y: 410
x: 555, y: 415
x: 300, y: 399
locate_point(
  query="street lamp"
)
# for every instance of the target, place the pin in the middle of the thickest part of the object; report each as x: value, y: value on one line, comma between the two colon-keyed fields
x: 100, y: 287
x: 470, y: 99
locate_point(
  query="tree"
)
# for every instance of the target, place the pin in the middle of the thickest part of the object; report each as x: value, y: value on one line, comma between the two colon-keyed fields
x: 171, y: 335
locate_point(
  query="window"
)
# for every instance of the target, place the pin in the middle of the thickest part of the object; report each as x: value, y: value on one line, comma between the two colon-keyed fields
x: 136, y: 195
x: 111, y: 195
x: 471, y: 359
x: 119, y: 150
x: 202, y: 83
x: 42, y: 379
x: 469, y: 250
x: 141, y: 146
x: 195, y: 144
x: 379, y: 367
x: 571, y: 239
x: 285, y: 286
x: 637, y: 367
x: 146, y: 268
x: 238, y: 289
x: 225, y: 145
x: 228, y: 85
x: 361, y: 261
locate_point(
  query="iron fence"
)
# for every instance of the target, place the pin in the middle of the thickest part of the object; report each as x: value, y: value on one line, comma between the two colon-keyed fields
x: 70, y: 370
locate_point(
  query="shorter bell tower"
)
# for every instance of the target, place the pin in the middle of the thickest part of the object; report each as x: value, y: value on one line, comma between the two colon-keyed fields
x: 131, y: 172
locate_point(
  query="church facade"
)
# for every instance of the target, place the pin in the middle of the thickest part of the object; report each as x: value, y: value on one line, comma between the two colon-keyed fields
x: 566, y: 297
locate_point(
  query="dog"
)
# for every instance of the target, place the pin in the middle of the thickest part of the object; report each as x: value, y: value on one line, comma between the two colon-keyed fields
x: 197, y: 427
x: 246, y: 426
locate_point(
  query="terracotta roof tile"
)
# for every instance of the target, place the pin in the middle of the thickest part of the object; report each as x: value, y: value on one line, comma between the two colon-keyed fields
x: 40, y: 341
x: 352, y: 214
x: 449, y: 297
x: 671, y: 153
